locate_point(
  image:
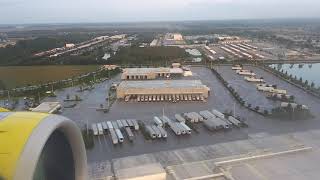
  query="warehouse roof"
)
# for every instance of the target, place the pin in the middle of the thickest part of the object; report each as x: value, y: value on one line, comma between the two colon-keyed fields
x: 146, y: 70
x: 162, y: 84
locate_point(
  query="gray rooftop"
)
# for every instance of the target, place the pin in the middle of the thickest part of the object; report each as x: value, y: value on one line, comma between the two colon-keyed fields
x: 146, y: 70
x: 162, y: 84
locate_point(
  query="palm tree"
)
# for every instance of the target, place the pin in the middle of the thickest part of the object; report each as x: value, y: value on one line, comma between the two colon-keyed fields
x: 312, y: 85
x: 291, y: 98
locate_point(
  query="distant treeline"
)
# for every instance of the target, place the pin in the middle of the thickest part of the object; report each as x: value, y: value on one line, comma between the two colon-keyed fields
x: 147, y: 56
x: 22, y: 52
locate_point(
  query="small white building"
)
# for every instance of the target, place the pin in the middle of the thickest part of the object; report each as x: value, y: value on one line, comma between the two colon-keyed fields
x: 47, y: 107
x: 70, y: 45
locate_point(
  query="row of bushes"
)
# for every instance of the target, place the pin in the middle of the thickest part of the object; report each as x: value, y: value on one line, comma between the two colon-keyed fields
x: 291, y: 113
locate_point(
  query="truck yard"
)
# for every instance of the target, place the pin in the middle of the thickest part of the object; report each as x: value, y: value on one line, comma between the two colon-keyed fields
x: 220, y: 99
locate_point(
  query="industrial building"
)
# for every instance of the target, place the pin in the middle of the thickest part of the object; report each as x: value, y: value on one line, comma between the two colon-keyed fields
x: 163, y: 90
x: 150, y: 73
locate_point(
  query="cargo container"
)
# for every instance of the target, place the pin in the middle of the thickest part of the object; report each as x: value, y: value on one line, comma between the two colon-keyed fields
x: 95, y: 129
x: 265, y: 88
x: 189, y: 117
x: 197, y: 116
x: 157, y: 131
x: 279, y: 91
x: 212, y: 125
x: 235, y: 121
x: 104, y: 126
x: 129, y: 133
x: 163, y: 132
x: 187, y: 128
x: 175, y: 128
x: 165, y: 120
x: 151, y: 132
x: 218, y: 113
x: 179, y: 118
x: 109, y: 124
x: 224, y: 123
x: 124, y: 123
x: 115, y: 124
x: 157, y: 121
x: 253, y: 79
x: 120, y: 125
x: 130, y: 123
x: 206, y: 114
x: 113, y: 136
x: 179, y: 126
x: 246, y: 73
x: 236, y: 68
x: 135, y: 124
x: 119, y: 135
x: 100, y: 129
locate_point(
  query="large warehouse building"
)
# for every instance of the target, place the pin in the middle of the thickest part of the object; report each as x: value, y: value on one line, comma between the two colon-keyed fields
x: 150, y: 73
x: 163, y: 90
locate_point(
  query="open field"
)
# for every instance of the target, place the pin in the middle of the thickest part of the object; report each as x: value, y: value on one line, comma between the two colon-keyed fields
x: 13, y: 76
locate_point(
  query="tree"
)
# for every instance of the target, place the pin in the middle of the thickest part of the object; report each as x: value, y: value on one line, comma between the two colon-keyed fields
x: 257, y: 108
x: 291, y: 98
x: 312, y: 85
x: 306, y: 83
x: 300, y: 79
x: 2, y: 85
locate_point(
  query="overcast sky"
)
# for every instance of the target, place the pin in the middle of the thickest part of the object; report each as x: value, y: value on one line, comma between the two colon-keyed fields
x: 74, y: 11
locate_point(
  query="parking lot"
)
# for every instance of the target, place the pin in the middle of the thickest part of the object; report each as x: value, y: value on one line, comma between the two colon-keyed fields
x: 219, y: 98
x: 247, y: 90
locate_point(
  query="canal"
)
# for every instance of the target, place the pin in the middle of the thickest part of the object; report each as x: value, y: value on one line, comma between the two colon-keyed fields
x: 308, y: 72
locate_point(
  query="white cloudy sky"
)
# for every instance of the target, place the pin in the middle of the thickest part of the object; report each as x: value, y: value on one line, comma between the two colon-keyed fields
x: 55, y: 11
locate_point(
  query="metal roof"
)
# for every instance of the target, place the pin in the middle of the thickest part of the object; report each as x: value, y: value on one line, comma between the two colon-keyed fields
x: 162, y: 84
x: 145, y: 70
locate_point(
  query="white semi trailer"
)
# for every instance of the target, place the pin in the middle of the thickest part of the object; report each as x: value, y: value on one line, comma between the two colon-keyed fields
x: 95, y: 129
x: 157, y: 131
x: 157, y: 121
x: 179, y: 118
x: 119, y: 135
x: 163, y: 132
x: 113, y: 136
x: 151, y: 132
x: 100, y: 129
x: 187, y: 128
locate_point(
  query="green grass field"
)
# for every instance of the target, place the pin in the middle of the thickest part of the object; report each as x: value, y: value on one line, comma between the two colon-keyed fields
x: 18, y: 76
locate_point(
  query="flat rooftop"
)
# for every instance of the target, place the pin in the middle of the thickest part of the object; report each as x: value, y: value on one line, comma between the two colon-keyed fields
x: 47, y: 107
x: 145, y: 70
x: 162, y: 84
